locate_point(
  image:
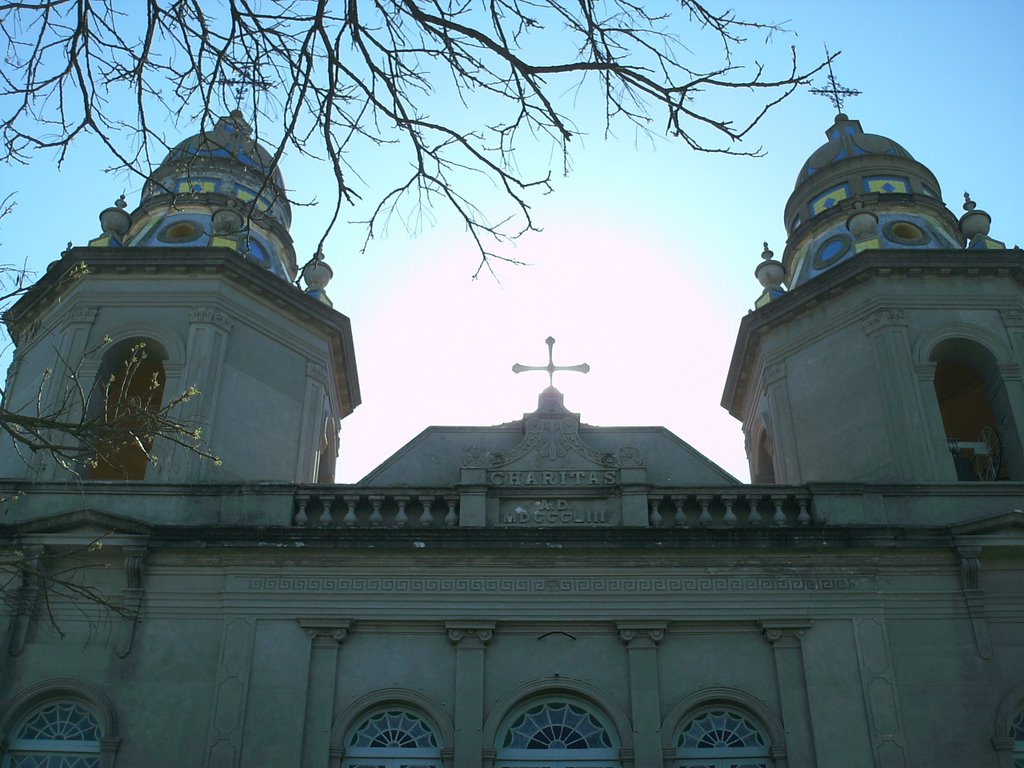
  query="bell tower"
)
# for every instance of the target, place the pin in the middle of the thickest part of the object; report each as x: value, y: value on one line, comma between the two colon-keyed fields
x: 888, y: 342
x: 195, y: 292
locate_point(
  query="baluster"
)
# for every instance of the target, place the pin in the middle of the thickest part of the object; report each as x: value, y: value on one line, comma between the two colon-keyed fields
x: 680, y: 516
x: 804, y: 518
x: 655, y: 516
x: 754, y: 518
x: 301, y: 518
x: 401, y: 518
x: 425, y: 517
x: 779, y: 518
x: 375, y: 516
x: 452, y: 518
x: 325, y: 514
x: 705, y: 514
x: 350, y: 516
x: 730, y: 517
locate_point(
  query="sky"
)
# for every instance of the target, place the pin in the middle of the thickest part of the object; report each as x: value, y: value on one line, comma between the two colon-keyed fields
x: 644, y: 265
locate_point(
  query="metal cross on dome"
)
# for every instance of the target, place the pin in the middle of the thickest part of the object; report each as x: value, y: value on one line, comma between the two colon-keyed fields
x: 551, y: 368
x: 834, y: 92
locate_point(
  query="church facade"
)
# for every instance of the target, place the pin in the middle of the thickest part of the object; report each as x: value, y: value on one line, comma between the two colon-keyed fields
x: 542, y: 593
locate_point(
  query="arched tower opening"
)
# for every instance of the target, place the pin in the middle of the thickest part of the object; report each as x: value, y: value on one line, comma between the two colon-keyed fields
x: 126, y: 401
x: 976, y: 415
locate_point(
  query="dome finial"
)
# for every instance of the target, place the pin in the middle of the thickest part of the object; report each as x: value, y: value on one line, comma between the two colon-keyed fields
x: 975, y: 223
x: 770, y: 273
x: 834, y: 92
x: 317, y: 273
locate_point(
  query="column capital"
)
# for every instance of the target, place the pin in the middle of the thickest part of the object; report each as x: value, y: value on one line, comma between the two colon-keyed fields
x: 211, y: 316
x: 469, y: 633
x: 775, y: 371
x: 785, y: 633
x: 639, y: 634
x: 890, y: 317
x: 326, y: 630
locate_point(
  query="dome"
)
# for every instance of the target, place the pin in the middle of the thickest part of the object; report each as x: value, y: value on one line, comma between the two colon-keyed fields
x: 847, y: 139
x: 861, y: 191
x: 216, y: 189
x: 227, y: 161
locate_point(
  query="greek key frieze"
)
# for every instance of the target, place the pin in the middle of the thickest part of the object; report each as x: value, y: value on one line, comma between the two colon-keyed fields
x: 529, y: 585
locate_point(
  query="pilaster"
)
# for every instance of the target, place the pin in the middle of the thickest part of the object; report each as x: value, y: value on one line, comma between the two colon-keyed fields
x: 785, y: 638
x: 970, y: 570
x: 27, y: 597
x: 231, y: 692
x: 470, y: 640
x: 641, y: 639
x: 326, y: 636
x: 785, y: 459
x: 134, y: 571
x: 209, y: 329
x: 314, y: 423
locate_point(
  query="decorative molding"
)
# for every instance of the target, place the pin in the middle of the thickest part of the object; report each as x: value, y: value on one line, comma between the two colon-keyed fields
x: 552, y: 438
x: 641, y: 633
x: 80, y: 315
x: 1012, y: 318
x: 134, y: 571
x: 731, y: 697
x: 316, y: 371
x: 334, y: 630
x: 469, y: 631
x: 630, y: 456
x: 211, y: 316
x: 774, y: 372
x: 231, y: 691
x: 884, y: 318
x: 785, y: 632
x: 27, y: 597
x: 476, y: 457
x: 1009, y: 371
x: 630, y: 585
x: 924, y: 371
x: 970, y: 572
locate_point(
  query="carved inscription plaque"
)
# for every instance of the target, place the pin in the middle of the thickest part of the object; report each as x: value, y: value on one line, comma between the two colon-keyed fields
x: 552, y: 511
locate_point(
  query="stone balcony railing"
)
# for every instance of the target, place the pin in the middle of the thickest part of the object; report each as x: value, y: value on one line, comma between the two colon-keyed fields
x: 46, y: 506
x: 743, y: 507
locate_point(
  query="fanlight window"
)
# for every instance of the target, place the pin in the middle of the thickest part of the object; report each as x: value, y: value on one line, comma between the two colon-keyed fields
x: 60, y: 734
x: 1018, y: 740
x: 393, y: 739
x: 556, y: 734
x: 722, y: 738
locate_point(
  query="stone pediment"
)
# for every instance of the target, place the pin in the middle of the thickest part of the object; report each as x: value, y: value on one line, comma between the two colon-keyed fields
x: 549, y: 469
x: 552, y: 442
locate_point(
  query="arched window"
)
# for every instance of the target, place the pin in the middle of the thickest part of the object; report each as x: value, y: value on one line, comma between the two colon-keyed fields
x: 60, y: 733
x: 976, y: 414
x: 394, y: 738
x: 556, y: 734
x: 722, y: 737
x: 130, y: 387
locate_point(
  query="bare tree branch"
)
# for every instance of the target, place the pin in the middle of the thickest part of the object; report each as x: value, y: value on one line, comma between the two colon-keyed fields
x: 459, y: 86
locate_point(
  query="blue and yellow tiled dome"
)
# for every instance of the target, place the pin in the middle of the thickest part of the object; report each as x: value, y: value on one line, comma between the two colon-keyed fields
x: 218, y: 188
x: 862, y: 191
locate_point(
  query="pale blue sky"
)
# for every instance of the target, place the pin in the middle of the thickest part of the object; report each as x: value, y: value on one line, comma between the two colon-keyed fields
x: 645, y: 265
